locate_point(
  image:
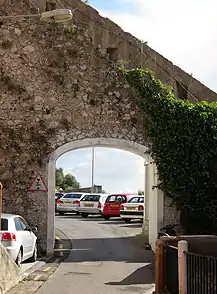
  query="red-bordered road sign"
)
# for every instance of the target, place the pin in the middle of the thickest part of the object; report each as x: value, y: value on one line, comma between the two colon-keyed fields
x: 38, y: 185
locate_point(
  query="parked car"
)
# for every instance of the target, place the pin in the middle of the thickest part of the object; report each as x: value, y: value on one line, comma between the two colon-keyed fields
x: 102, y: 201
x: 133, y: 209
x: 69, y: 202
x: 18, y: 238
x: 58, y: 195
x: 90, y: 204
x: 112, y: 205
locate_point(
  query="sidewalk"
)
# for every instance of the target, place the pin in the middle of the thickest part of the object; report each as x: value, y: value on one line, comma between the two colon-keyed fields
x: 35, y: 275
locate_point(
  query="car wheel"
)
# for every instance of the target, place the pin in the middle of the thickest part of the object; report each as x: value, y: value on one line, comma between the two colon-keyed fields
x: 61, y: 213
x: 34, y: 256
x: 127, y: 220
x: 107, y: 218
x: 84, y: 215
x: 19, y: 258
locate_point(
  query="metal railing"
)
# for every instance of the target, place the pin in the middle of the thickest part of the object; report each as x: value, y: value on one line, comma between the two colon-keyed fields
x: 201, y: 274
x: 171, y: 277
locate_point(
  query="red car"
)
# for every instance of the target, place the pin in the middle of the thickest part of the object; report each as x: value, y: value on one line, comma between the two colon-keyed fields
x: 111, y: 207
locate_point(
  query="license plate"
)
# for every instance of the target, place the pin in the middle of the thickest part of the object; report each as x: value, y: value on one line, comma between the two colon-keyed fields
x: 131, y: 208
x: 115, y: 205
x: 88, y: 205
x: 67, y: 202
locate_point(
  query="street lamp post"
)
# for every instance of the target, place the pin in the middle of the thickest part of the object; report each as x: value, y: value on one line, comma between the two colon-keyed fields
x: 92, y: 174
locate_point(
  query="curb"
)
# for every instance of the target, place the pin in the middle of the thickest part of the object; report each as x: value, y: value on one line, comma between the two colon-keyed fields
x: 38, y: 264
x: 151, y: 291
x: 63, y: 245
x: 65, y: 235
x: 48, y: 265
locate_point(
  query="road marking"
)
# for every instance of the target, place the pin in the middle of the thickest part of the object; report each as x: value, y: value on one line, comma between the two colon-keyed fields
x: 37, y: 278
x: 46, y: 269
x: 64, y: 249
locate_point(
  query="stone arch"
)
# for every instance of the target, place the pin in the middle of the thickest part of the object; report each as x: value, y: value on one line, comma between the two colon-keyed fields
x: 123, y: 144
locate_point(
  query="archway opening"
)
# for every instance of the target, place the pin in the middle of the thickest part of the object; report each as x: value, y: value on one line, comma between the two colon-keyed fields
x: 119, y: 145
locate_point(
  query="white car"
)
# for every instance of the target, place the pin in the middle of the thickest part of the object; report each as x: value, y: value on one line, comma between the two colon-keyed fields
x: 133, y: 209
x: 69, y: 202
x: 90, y: 204
x: 102, y: 201
x: 18, y: 238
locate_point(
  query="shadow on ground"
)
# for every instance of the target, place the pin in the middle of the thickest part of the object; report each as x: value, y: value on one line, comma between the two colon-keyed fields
x: 143, y: 275
x: 118, y: 249
x: 94, y: 251
x: 123, y: 249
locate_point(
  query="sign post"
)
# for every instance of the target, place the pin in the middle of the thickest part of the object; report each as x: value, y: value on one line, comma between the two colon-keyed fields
x: 1, y: 192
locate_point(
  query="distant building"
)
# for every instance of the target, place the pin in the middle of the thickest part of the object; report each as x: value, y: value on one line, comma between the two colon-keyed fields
x: 96, y: 189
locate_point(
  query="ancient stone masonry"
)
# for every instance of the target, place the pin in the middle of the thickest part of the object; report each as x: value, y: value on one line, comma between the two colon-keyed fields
x: 59, y: 84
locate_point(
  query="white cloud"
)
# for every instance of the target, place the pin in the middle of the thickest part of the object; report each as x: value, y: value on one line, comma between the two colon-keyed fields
x: 183, y: 31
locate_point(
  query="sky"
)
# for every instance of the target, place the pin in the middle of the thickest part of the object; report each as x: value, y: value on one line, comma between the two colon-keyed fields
x: 116, y: 170
x: 183, y: 31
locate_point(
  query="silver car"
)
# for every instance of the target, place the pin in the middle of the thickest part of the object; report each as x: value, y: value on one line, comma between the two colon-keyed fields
x: 69, y: 202
x: 18, y: 238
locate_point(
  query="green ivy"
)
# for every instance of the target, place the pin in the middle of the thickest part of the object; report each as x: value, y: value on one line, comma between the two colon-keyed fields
x: 183, y: 142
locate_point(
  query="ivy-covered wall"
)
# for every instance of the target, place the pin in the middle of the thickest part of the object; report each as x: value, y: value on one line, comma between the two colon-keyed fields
x: 182, y: 137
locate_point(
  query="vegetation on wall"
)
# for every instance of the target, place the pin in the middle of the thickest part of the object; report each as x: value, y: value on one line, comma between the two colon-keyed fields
x: 65, y: 182
x: 183, y: 142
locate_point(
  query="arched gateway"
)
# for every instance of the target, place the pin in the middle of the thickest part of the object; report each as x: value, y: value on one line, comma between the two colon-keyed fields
x: 60, y: 90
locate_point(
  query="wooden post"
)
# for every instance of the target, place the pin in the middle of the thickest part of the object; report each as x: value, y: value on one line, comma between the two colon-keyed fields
x: 159, y: 267
x: 182, y: 265
x: 1, y: 192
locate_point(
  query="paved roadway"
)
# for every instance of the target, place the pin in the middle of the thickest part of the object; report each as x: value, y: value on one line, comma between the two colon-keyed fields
x: 105, y: 259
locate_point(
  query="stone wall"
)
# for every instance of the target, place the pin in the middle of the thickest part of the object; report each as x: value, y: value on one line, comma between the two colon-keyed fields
x: 10, y: 273
x: 59, y: 83
x: 55, y: 88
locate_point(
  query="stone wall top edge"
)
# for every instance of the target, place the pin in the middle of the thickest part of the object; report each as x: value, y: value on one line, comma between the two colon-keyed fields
x: 177, y: 72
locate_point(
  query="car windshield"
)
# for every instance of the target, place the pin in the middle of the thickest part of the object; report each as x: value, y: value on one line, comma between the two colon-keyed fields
x: 94, y: 198
x: 136, y: 200
x: 72, y: 196
x: 4, y: 224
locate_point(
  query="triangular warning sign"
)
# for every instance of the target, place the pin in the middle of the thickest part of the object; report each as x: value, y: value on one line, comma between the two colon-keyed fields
x: 38, y: 184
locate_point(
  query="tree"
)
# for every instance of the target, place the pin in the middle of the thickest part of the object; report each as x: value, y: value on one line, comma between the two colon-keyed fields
x: 70, y: 182
x: 59, y: 177
x: 66, y: 182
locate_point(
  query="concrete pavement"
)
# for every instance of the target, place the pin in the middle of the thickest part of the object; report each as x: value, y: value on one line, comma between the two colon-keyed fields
x: 104, y: 259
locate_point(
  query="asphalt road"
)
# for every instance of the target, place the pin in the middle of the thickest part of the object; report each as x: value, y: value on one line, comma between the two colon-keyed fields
x: 105, y: 259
